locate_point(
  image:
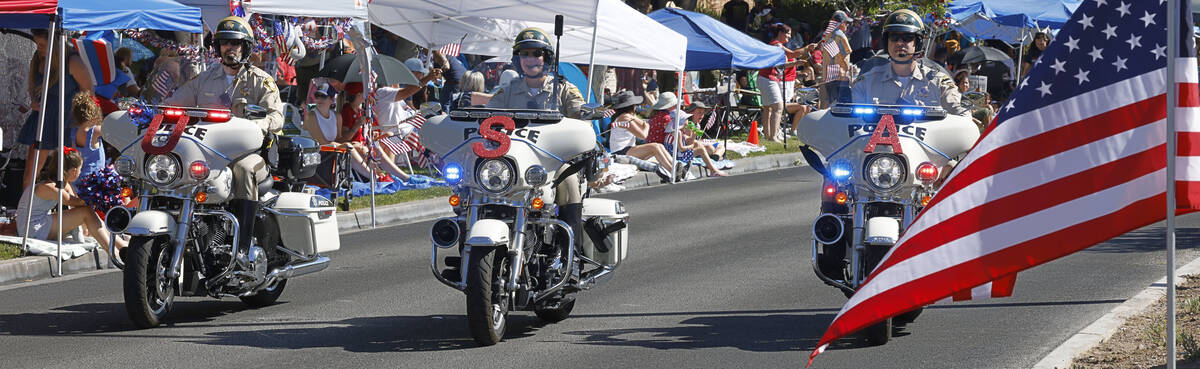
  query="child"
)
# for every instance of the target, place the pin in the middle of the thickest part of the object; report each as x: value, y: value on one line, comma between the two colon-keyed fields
x: 42, y: 223
x: 98, y: 184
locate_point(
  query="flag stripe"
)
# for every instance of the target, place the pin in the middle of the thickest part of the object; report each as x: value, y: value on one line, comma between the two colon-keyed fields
x: 1035, y: 226
x: 944, y: 282
x: 1189, y: 95
x: 1055, y: 141
x: 1021, y: 204
x: 1189, y: 143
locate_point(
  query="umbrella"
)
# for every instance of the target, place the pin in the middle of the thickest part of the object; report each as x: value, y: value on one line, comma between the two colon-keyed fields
x: 978, y: 54
x: 388, y: 70
x: 139, y: 51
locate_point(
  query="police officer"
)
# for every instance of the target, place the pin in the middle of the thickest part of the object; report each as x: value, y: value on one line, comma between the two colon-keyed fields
x: 532, y: 55
x: 905, y: 81
x: 236, y: 85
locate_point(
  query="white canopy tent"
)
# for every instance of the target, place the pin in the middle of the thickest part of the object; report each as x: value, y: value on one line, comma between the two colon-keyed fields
x: 213, y: 10
x: 626, y: 38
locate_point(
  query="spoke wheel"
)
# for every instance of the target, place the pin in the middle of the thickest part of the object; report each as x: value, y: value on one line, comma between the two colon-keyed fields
x: 149, y: 294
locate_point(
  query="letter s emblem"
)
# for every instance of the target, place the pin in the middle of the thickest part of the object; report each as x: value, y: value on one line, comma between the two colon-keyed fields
x: 486, y: 131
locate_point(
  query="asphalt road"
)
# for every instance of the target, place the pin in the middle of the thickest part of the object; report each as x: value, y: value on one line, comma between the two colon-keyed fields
x: 718, y: 276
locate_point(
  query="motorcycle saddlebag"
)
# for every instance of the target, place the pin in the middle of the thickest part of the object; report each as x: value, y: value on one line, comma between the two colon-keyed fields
x: 298, y: 157
x: 307, y: 222
x: 606, y: 231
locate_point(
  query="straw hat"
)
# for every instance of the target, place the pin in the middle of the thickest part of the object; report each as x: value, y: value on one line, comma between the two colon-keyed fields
x: 665, y: 100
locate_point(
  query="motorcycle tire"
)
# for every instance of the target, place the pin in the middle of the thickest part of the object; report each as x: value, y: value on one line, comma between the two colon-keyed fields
x: 879, y: 333
x: 908, y: 317
x: 487, y: 303
x: 148, y: 294
x: 265, y: 297
x: 558, y: 314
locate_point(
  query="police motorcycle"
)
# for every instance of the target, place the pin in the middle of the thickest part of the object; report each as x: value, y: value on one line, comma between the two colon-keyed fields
x: 885, y: 163
x: 184, y: 241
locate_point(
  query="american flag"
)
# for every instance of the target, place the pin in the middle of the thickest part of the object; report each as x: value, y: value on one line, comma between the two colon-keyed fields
x: 712, y: 119
x: 608, y: 113
x: 829, y: 29
x: 1076, y: 157
x: 450, y: 49
x: 831, y: 49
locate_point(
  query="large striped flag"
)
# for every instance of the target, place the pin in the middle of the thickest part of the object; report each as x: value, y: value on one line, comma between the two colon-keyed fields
x: 1077, y: 156
x: 450, y: 49
x: 96, y: 50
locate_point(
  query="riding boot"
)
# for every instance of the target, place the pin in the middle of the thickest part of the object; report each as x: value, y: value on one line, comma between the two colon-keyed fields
x: 572, y: 214
x: 245, y: 211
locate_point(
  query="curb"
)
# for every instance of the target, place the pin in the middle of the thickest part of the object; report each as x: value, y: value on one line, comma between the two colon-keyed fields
x: 422, y: 210
x: 1107, y: 325
x: 31, y: 268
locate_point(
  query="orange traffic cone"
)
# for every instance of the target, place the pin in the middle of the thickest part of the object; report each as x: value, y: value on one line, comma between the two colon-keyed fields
x: 753, y: 133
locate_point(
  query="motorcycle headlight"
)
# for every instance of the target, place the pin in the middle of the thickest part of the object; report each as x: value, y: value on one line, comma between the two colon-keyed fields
x: 495, y: 175
x: 124, y: 166
x: 162, y: 169
x: 535, y: 175
x: 885, y: 172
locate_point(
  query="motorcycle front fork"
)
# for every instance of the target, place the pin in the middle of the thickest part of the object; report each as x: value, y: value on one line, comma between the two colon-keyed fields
x: 857, y: 258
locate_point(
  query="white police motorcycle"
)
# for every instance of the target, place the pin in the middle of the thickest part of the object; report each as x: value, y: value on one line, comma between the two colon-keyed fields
x: 513, y: 251
x: 885, y: 163
x: 183, y: 240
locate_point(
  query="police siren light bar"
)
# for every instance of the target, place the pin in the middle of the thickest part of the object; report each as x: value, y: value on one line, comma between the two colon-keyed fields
x: 915, y: 112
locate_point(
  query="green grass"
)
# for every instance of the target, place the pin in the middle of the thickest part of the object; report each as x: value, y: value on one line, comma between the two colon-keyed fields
x: 364, y: 202
x: 793, y: 145
x: 9, y: 251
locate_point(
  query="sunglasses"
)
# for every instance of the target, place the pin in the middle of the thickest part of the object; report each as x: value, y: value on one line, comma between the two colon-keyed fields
x: 228, y: 42
x: 319, y: 97
x: 529, y: 53
x: 902, y: 37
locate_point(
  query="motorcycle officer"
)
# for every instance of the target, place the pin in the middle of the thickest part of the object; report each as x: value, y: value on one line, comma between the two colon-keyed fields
x: 532, y: 56
x: 235, y: 85
x: 905, y: 81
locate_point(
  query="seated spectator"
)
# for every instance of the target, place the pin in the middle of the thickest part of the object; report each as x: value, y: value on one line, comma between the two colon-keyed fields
x: 691, y: 139
x: 322, y: 124
x: 353, y: 122
x: 44, y: 199
x: 627, y: 128
x: 663, y: 122
x: 471, y: 92
x: 124, y: 59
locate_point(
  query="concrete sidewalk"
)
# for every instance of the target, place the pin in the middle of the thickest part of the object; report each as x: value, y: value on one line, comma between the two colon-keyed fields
x: 33, y: 268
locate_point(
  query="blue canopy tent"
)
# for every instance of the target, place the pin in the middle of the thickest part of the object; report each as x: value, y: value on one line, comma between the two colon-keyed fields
x: 1008, y: 19
x: 714, y: 45
x: 90, y: 15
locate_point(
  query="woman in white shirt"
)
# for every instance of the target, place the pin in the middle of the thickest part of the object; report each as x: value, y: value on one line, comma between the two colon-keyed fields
x: 627, y: 128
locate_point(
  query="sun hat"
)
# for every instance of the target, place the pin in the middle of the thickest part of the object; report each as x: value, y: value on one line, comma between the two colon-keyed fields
x: 324, y: 89
x: 665, y: 100
x: 416, y: 66
x: 696, y: 105
x: 625, y: 99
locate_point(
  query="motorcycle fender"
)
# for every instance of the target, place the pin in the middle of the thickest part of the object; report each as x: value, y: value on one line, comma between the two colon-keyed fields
x: 882, y: 231
x: 151, y: 223
x: 488, y: 232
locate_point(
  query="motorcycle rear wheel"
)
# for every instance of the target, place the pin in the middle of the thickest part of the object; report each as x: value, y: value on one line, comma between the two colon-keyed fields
x: 487, y: 302
x: 879, y: 333
x: 557, y: 314
x: 267, y: 296
x: 148, y: 293
x: 909, y: 317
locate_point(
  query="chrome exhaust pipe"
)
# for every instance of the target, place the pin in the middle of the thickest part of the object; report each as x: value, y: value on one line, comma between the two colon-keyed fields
x: 828, y: 229
x: 299, y: 269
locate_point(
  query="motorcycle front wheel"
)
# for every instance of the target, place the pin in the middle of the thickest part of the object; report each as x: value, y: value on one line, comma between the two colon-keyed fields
x: 487, y: 302
x: 148, y: 292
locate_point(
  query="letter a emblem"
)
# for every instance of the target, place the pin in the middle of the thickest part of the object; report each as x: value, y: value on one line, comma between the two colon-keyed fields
x: 886, y: 125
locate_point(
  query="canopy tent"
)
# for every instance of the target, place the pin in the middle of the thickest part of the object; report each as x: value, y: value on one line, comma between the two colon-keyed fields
x: 88, y: 15
x: 214, y: 10
x: 627, y: 45
x: 1008, y: 19
x: 714, y: 45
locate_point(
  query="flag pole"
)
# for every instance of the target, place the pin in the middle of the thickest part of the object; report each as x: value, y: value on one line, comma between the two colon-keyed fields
x: 1173, y: 36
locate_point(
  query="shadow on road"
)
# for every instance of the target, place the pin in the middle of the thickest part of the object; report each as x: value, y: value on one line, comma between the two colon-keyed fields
x: 757, y: 333
x: 1149, y: 240
x: 99, y: 318
x: 373, y: 334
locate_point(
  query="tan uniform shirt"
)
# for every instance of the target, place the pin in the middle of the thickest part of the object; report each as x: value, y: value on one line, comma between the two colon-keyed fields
x: 928, y: 87
x: 517, y: 95
x: 250, y: 86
